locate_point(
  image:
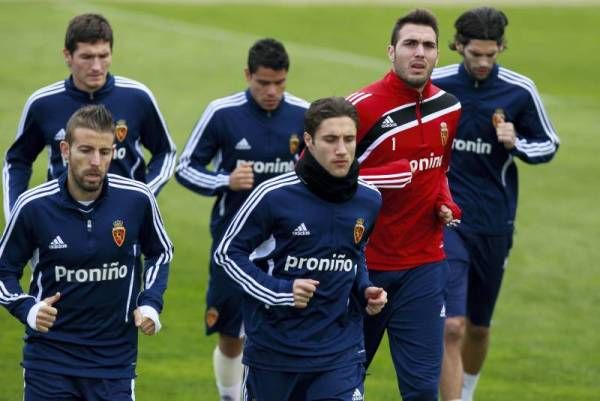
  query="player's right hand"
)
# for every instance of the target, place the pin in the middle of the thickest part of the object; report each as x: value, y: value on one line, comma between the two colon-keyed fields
x: 46, y: 315
x: 303, y: 289
x: 242, y: 178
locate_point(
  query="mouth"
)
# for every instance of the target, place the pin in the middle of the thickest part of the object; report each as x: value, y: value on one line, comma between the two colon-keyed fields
x: 418, y: 66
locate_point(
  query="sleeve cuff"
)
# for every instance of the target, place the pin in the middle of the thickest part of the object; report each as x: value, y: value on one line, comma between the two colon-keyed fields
x: 32, y: 315
x: 151, y: 313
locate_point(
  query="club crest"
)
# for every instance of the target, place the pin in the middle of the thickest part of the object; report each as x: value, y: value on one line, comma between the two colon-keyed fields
x: 121, y: 130
x: 294, y: 143
x: 359, y: 230
x: 118, y: 232
x: 444, y: 133
x: 498, y: 117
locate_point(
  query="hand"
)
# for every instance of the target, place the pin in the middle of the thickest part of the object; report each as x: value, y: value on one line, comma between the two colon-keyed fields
x: 303, y: 289
x: 242, y: 178
x: 46, y: 315
x: 506, y: 134
x: 144, y: 323
x: 445, y: 214
x: 376, y: 299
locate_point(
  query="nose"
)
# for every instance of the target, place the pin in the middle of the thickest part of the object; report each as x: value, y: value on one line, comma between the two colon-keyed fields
x: 420, y: 50
x: 340, y: 149
x: 95, y: 158
x: 96, y: 63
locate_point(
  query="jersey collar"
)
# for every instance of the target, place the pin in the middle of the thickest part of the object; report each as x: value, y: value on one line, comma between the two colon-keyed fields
x: 106, y: 88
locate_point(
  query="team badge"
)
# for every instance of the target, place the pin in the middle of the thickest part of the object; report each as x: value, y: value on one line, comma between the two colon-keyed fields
x: 121, y: 130
x: 212, y: 315
x: 294, y: 143
x: 118, y: 232
x: 444, y: 133
x: 359, y: 230
x: 498, y: 117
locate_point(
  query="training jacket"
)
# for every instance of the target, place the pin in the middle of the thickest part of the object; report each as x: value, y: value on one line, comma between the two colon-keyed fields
x: 233, y: 130
x: 138, y: 123
x: 483, y: 177
x: 91, y: 255
x: 284, y: 232
x: 404, y: 143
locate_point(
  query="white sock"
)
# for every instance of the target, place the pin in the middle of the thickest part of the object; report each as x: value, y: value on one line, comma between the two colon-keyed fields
x: 228, y: 373
x: 469, y: 384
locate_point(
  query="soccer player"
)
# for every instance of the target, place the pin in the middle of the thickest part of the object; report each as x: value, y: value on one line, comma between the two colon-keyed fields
x: 83, y: 232
x: 88, y: 54
x: 248, y: 137
x: 406, y: 130
x: 503, y: 118
x: 296, y: 247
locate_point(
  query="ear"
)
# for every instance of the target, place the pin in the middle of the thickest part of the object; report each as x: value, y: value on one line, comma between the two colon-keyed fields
x: 308, y: 140
x: 460, y: 48
x: 247, y: 74
x: 391, y: 53
x: 68, y: 57
x: 65, y: 150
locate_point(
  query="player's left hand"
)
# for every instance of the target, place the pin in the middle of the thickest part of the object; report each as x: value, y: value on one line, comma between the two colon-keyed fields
x: 144, y: 323
x: 506, y: 134
x: 445, y: 214
x: 376, y: 299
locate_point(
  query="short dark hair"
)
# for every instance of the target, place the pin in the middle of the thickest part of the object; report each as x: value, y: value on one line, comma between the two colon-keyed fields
x: 419, y: 16
x: 268, y: 53
x: 87, y: 28
x: 95, y: 117
x: 325, y: 108
x: 483, y: 23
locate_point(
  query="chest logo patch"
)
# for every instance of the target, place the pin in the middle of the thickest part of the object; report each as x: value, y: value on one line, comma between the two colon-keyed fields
x: 294, y: 143
x: 118, y: 232
x: 498, y: 117
x: 121, y: 130
x: 359, y: 230
x: 444, y: 133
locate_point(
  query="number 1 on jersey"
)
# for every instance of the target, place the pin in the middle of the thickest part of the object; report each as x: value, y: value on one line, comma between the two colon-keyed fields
x: 394, y: 143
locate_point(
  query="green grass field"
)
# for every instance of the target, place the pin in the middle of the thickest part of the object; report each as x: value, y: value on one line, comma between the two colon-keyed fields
x: 546, y: 338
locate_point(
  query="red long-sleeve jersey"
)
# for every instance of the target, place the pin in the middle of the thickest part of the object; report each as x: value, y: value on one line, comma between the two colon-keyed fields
x: 404, y: 145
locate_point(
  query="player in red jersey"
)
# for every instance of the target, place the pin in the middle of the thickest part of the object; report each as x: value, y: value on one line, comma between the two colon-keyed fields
x: 406, y: 130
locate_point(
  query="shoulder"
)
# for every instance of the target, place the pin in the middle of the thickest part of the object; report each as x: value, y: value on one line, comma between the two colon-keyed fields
x: 280, y: 181
x: 295, y: 101
x: 46, y: 93
x: 509, y: 77
x: 130, y: 84
x: 130, y: 190
x: 31, y: 197
x: 445, y: 73
x: 368, y: 190
x: 226, y: 103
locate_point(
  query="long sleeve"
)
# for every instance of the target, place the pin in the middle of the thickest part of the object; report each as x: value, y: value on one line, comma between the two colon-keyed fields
x: 19, y: 158
x: 158, y: 253
x: 537, y: 142
x: 155, y: 137
x: 250, y: 228
x: 202, y: 148
x: 16, y: 248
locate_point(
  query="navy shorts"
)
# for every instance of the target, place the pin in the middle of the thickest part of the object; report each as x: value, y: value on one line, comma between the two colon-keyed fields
x: 46, y: 386
x: 477, y: 265
x: 414, y: 319
x: 341, y: 384
x: 223, y: 302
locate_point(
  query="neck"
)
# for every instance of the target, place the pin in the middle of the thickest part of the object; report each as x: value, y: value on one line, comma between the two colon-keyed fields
x: 79, y: 194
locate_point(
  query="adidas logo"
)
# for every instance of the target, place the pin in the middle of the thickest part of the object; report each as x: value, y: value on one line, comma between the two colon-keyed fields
x: 60, y: 135
x: 243, y: 145
x: 388, y: 123
x: 301, y: 230
x: 443, y: 311
x: 57, y: 243
x: 357, y: 396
